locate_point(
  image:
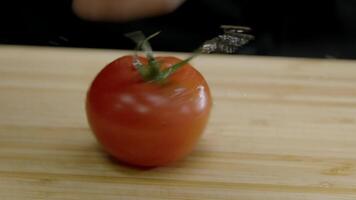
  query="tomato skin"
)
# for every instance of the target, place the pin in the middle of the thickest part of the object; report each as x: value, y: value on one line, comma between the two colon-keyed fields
x: 146, y: 123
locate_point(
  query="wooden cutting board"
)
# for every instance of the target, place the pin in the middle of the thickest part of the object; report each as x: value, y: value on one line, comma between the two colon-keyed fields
x: 281, y: 129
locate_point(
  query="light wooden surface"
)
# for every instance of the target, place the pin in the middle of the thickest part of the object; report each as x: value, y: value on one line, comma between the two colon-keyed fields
x: 281, y: 129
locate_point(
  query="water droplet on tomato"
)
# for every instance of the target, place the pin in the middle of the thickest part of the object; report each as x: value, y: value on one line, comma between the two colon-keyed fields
x: 202, y: 100
x: 142, y: 108
x: 156, y: 100
x: 127, y: 98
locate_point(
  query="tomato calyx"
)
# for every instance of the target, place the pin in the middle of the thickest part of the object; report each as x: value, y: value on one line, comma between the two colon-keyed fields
x: 152, y: 71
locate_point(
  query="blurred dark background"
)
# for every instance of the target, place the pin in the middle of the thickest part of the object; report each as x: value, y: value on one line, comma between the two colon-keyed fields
x: 282, y: 28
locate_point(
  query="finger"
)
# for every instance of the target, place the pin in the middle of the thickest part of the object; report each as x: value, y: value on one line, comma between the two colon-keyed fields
x: 122, y: 10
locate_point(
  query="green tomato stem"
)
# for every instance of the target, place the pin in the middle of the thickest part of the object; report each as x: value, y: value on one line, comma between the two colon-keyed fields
x: 152, y: 71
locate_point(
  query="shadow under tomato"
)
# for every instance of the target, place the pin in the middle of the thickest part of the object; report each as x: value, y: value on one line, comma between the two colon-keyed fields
x: 115, y: 161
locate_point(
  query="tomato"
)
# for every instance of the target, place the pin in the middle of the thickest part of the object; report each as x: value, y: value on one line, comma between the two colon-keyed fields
x: 145, y: 122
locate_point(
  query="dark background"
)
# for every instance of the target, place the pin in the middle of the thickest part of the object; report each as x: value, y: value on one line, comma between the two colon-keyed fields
x: 282, y: 28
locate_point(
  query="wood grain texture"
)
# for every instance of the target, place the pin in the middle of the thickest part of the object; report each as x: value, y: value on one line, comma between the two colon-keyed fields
x: 281, y: 128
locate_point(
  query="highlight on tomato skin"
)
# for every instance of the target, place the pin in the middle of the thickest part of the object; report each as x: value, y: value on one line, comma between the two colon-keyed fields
x: 148, y: 121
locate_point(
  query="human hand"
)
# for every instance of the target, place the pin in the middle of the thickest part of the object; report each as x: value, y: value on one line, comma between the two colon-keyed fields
x: 123, y: 10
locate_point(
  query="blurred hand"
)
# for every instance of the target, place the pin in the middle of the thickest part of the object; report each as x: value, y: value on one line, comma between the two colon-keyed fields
x: 122, y: 10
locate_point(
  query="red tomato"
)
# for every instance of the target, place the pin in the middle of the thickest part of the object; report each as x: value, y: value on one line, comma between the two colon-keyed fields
x: 148, y: 123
